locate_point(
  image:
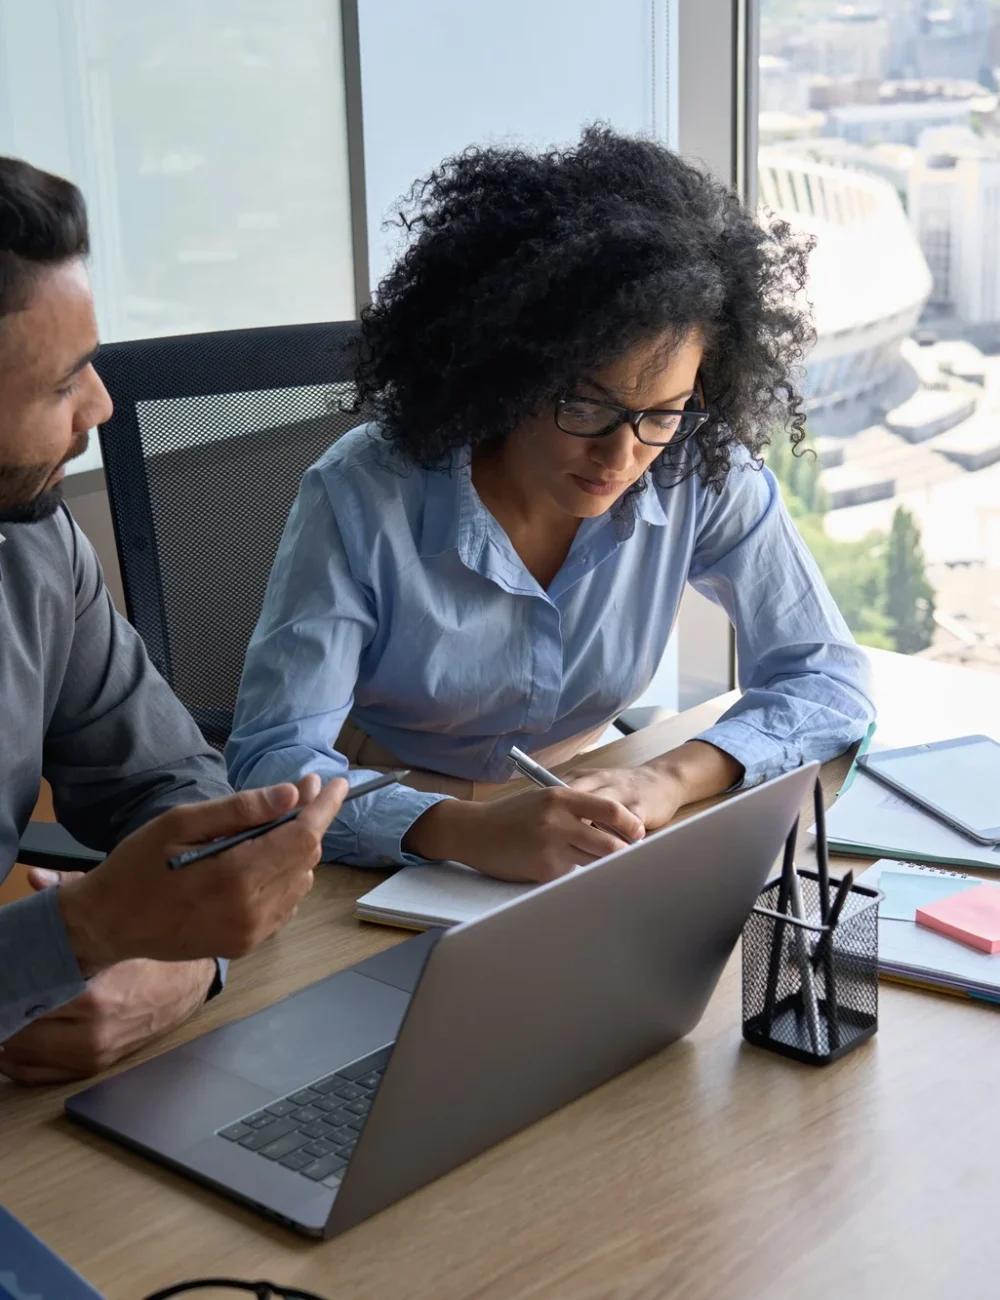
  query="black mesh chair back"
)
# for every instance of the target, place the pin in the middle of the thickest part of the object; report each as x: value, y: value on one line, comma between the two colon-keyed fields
x: 203, y: 456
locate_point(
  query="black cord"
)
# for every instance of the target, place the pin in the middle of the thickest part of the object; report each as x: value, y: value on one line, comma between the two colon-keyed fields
x: 260, y: 1290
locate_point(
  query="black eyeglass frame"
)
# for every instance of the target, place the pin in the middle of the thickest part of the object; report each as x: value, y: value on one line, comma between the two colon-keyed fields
x: 259, y: 1290
x: 623, y: 415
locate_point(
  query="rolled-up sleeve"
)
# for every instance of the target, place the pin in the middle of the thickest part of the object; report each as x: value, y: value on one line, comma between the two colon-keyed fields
x: 805, y: 681
x: 299, y: 679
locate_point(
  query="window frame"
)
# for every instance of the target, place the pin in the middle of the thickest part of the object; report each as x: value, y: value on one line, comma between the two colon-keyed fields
x: 717, y: 99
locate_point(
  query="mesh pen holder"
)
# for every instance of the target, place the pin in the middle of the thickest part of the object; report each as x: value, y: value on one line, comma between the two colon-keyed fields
x: 777, y: 1002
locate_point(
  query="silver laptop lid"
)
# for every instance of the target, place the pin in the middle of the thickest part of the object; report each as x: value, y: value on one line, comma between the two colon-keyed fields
x: 554, y: 993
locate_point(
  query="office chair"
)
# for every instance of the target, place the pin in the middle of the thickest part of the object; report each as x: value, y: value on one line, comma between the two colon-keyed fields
x: 210, y: 436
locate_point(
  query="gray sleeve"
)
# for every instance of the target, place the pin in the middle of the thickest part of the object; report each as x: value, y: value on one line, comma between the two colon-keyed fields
x: 120, y: 748
x: 38, y: 971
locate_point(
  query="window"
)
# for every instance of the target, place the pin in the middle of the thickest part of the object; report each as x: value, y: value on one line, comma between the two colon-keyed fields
x: 898, y: 138
x: 239, y: 157
x: 210, y: 142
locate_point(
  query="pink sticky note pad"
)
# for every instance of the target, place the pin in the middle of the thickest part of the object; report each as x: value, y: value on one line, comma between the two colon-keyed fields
x: 971, y: 917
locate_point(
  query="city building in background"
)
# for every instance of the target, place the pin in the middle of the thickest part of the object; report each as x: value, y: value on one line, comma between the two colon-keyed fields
x: 880, y: 137
x: 868, y: 279
x: 954, y: 204
x: 929, y: 38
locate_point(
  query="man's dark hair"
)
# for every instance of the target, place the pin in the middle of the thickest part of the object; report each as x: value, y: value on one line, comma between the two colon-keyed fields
x: 43, y: 221
x: 526, y: 272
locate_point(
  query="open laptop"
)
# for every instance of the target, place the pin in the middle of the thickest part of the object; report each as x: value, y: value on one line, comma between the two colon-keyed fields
x: 334, y: 1103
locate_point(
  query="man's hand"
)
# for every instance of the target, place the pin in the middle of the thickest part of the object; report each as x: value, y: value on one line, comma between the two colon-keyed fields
x: 122, y: 1008
x: 133, y: 906
x: 533, y: 836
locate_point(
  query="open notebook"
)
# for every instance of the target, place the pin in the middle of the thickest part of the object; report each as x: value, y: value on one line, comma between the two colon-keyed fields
x: 441, y: 893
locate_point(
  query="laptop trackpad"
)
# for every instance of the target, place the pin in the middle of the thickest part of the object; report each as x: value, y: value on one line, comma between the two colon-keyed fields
x: 308, y: 1034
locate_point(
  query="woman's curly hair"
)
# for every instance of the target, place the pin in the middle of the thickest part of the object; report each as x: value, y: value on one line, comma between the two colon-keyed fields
x: 527, y: 272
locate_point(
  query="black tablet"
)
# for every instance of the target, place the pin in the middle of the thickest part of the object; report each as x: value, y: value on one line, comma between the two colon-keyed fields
x: 957, y: 780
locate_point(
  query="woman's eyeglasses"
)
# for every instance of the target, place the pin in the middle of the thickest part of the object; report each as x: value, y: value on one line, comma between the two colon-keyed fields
x: 584, y: 417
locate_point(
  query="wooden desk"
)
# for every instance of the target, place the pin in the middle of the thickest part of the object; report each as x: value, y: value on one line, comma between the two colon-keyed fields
x: 712, y: 1171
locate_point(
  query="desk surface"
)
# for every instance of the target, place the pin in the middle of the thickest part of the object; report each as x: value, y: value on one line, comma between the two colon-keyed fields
x: 712, y: 1170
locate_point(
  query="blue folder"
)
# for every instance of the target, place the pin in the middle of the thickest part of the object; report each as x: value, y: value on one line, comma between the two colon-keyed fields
x: 30, y: 1271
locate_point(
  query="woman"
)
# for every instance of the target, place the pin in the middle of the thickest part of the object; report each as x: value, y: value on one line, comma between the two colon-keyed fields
x: 573, y: 368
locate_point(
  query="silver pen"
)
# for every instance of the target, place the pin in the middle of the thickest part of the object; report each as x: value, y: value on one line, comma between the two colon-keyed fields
x: 543, y: 777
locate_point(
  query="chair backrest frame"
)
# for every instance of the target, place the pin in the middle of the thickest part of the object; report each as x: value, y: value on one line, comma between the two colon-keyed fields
x: 139, y: 468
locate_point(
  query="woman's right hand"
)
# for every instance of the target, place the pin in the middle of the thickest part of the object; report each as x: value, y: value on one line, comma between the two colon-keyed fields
x: 533, y: 836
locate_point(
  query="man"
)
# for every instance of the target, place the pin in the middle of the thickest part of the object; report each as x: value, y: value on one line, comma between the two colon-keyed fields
x: 94, y: 968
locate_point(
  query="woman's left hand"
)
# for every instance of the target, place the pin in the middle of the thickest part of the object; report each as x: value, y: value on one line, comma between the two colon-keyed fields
x: 653, y: 796
x: 654, y: 792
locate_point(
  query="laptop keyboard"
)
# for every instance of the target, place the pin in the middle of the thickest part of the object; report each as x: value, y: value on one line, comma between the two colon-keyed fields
x: 314, y: 1131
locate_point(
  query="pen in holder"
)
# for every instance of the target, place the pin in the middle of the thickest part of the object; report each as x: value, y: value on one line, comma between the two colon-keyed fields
x: 810, y: 960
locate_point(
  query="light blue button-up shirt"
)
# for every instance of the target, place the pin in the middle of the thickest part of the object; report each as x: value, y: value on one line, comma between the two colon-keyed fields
x: 397, y: 598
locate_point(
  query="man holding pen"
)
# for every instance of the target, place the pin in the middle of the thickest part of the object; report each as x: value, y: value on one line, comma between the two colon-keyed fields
x: 95, y: 968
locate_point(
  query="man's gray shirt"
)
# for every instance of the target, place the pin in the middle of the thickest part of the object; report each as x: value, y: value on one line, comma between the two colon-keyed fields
x: 81, y: 705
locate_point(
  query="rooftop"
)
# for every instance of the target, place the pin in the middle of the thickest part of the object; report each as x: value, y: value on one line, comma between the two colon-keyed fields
x: 927, y: 414
x: 944, y: 145
x: 913, y: 91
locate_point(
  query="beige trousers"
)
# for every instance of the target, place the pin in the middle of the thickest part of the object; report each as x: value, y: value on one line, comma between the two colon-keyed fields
x: 361, y: 750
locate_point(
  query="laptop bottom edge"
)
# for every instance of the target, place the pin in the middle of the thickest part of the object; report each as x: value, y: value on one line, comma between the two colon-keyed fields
x: 303, y: 1227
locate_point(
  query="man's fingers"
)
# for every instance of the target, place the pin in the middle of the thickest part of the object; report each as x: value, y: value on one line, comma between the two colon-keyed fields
x: 309, y: 787
x: 321, y: 812
x: 44, y: 1043
x: 43, y: 878
x: 281, y: 851
x: 35, y: 1074
x: 286, y: 850
x: 197, y: 823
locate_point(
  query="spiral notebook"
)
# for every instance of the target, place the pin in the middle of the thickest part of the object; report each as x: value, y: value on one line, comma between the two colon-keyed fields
x: 440, y: 893
x: 914, y: 955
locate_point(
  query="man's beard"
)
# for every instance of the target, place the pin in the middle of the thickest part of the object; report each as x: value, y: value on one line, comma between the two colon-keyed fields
x: 20, y: 500
x: 24, y: 499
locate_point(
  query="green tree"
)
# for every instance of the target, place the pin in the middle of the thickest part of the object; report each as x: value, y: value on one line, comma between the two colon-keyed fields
x: 798, y: 471
x: 879, y: 582
x: 909, y: 596
x: 855, y: 574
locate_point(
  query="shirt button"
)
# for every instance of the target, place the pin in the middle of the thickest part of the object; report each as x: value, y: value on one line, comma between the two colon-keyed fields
x: 40, y: 1010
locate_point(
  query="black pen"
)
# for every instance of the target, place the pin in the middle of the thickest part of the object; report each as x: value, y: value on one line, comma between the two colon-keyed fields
x: 826, y: 938
x: 822, y: 852
x: 216, y: 847
x: 778, y: 930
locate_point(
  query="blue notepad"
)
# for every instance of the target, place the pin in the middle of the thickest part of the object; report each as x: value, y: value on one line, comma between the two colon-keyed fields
x: 905, y: 892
